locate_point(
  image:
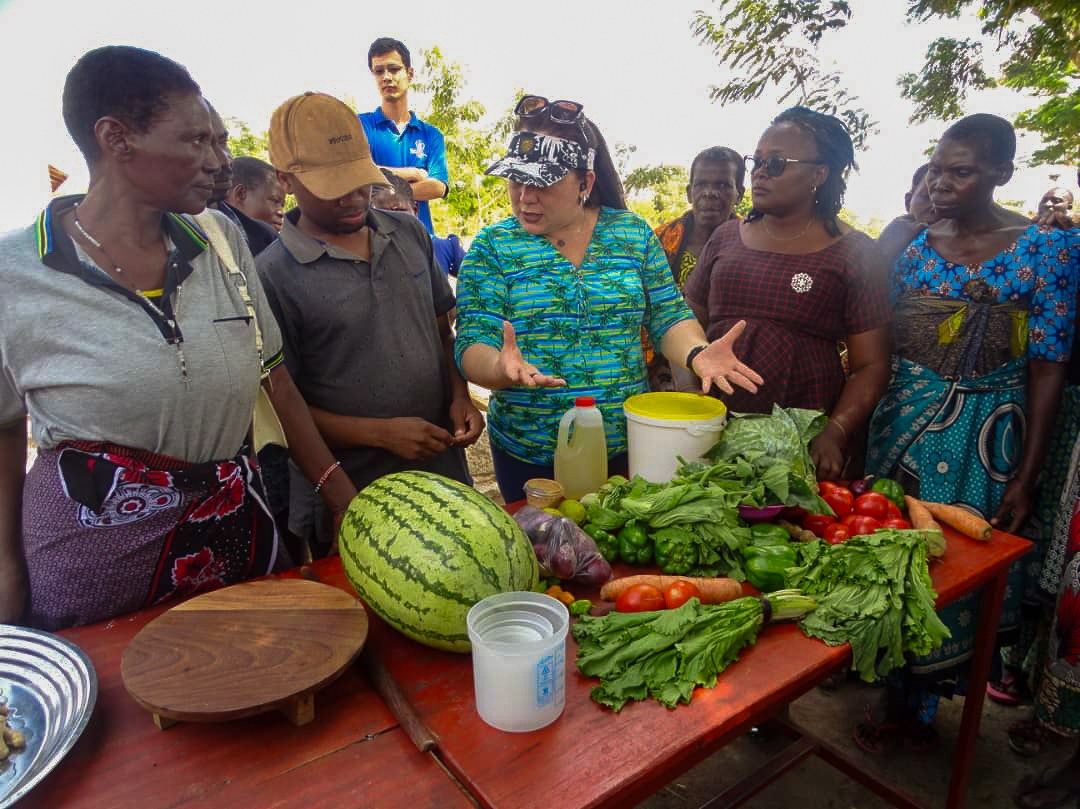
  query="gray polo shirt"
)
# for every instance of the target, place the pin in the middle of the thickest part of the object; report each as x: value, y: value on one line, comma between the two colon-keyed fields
x: 361, y: 337
x: 89, y: 361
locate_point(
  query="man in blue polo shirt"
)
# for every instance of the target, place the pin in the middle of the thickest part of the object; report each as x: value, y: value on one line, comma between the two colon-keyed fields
x: 411, y: 148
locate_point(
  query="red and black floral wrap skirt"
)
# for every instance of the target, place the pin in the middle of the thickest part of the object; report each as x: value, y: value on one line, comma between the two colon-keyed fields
x: 109, y: 530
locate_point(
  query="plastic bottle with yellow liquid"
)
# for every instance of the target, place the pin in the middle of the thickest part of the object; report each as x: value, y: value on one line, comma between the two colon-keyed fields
x: 581, y: 453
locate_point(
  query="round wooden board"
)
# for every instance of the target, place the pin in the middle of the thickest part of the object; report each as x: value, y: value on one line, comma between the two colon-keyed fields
x: 243, y: 650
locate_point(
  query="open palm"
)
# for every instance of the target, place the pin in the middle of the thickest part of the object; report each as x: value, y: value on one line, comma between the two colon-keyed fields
x: 517, y: 370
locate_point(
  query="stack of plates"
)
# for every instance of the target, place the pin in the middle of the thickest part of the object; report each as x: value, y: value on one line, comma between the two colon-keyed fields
x: 49, y: 687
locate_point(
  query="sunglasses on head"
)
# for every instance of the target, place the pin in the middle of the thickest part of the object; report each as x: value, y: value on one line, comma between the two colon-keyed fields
x: 774, y: 166
x: 561, y: 112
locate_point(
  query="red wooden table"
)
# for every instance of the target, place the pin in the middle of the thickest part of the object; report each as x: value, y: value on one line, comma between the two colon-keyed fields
x: 355, y: 754
x: 352, y: 754
x: 591, y: 757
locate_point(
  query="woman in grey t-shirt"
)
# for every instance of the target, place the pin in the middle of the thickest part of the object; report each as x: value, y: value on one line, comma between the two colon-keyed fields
x: 134, y: 354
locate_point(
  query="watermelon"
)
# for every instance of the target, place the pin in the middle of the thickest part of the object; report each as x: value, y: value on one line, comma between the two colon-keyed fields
x: 421, y: 549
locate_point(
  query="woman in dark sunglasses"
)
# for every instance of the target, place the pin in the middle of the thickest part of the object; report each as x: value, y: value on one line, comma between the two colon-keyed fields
x: 805, y: 283
x: 552, y: 301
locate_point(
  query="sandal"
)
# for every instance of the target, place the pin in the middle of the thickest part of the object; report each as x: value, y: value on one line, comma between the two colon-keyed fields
x: 1028, y: 738
x: 1009, y: 690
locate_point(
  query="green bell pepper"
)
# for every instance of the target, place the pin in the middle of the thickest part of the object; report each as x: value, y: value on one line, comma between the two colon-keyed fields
x: 765, y: 565
x: 891, y: 489
x: 676, y: 550
x: 635, y: 547
x: 764, y: 533
x: 766, y: 573
x: 606, y: 542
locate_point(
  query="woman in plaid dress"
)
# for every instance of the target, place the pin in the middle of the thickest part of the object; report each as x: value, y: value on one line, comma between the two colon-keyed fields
x: 804, y: 282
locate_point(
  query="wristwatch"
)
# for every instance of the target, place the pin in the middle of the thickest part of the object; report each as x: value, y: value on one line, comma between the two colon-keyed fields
x: 693, y: 353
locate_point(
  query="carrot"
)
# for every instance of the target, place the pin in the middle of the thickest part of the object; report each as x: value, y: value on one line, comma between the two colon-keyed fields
x: 713, y: 591
x: 921, y: 517
x: 968, y: 524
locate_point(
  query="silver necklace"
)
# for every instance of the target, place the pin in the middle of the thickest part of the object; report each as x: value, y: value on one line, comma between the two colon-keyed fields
x: 171, y: 321
x: 98, y: 245
x: 776, y: 238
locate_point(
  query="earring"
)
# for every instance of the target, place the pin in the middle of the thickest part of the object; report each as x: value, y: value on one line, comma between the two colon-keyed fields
x: 813, y: 189
x: 581, y: 199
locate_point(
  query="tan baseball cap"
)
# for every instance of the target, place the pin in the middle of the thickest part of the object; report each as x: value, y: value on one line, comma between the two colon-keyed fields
x: 321, y: 141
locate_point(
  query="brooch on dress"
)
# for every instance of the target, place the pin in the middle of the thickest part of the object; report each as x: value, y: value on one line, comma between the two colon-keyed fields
x: 801, y: 282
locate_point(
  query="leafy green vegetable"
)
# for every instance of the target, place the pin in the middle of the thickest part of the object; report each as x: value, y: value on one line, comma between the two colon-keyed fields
x: 776, y: 447
x: 666, y: 654
x: 873, y: 592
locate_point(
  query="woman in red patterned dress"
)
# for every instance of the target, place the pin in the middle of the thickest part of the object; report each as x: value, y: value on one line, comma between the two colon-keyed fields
x: 804, y: 282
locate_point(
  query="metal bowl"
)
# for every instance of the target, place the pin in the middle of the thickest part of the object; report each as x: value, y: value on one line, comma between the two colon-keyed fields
x: 49, y: 687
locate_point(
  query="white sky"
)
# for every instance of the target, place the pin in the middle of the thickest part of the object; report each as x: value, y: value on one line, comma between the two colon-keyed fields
x: 635, y: 66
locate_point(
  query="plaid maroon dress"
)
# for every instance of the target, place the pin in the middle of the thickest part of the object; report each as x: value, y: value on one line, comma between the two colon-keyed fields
x: 797, y: 308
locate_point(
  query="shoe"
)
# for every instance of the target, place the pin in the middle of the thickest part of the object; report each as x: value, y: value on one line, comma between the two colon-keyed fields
x: 1028, y: 738
x: 1009, y: 690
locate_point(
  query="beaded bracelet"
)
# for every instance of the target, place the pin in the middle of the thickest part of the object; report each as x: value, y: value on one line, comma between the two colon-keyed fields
x: 325, y: 476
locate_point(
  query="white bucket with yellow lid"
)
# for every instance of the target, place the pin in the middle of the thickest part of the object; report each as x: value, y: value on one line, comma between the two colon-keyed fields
x: 661, y: 427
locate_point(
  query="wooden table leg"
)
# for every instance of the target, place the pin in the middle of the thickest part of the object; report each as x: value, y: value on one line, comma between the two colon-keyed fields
x: 993, y: 596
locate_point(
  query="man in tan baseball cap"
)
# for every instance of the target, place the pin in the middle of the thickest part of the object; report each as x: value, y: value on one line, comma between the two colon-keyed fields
x: 319, y: 140
x: 364, y: 314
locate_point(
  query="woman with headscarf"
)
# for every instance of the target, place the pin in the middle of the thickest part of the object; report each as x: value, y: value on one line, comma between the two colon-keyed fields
x: 133, y: 348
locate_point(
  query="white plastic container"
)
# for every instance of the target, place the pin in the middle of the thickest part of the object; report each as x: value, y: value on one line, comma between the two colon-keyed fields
x: 661, y: 427
x: 581, y: 456
x: 519, y: 659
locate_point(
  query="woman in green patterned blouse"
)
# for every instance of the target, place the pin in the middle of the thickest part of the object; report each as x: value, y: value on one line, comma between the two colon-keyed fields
x: 552, y: 300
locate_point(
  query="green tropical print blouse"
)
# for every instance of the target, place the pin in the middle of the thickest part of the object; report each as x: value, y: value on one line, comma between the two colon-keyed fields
x: 582, y: 324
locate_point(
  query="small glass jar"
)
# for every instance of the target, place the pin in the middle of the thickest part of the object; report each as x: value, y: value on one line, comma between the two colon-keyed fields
x: 543, y: 493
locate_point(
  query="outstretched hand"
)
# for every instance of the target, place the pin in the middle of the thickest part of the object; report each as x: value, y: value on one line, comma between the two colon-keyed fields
x: 718, y: 365
x: 517, y: 371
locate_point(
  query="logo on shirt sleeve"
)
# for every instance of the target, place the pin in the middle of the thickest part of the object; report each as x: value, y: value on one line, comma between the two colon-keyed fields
x: 418, y: 150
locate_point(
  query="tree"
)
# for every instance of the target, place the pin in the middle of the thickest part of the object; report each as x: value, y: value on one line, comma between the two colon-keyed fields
x: 775, y: 42
x: 475, y: 199
x: 246, y: 143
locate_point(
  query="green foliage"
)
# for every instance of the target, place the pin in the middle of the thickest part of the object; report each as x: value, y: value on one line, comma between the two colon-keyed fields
x: 475, y: 200
x: 774, y: 43
x: 769, y: 43
x: 247, y: 143
x: 657, y: 193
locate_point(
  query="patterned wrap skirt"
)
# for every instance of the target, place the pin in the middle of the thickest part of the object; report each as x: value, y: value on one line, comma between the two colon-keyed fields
x: 109, y: 530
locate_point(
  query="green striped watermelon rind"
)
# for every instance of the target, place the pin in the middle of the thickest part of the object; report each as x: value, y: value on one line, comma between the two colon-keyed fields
x: 402, y: 550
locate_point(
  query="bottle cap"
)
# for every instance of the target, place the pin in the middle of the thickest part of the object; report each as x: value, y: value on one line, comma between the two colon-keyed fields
x: 584, y: 401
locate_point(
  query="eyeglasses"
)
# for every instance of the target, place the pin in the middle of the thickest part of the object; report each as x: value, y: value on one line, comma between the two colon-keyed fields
x: 561, y: 112
x: 774, y: 166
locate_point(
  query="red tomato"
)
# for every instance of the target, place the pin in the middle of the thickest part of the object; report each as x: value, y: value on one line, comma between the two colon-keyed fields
x: 825, y: 486
x: 893, y: 513
x: 837, y: 533
x: 896, y: 522
x: 678, y: 593
x: 817, y: 523
x: 861, y: 525
x: 640, y: 598
x: 840, y: 500
x: 872, y: 504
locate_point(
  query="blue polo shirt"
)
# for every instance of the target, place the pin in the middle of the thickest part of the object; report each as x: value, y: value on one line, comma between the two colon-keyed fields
x: 420, y: 146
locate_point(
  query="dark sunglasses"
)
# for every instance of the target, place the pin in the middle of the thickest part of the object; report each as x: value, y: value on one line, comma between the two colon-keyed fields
x: 774, y: 166
x: 561, y: 112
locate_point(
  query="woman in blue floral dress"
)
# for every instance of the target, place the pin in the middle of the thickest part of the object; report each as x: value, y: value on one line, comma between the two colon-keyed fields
x: 985, y: 303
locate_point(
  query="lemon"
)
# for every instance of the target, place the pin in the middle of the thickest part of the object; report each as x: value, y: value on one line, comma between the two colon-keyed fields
x: 554, y: 511
x: 573, y: 509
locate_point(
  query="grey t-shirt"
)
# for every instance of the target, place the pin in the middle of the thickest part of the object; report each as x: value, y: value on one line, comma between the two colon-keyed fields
x: 89, y: 362
x: 361, y: 337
